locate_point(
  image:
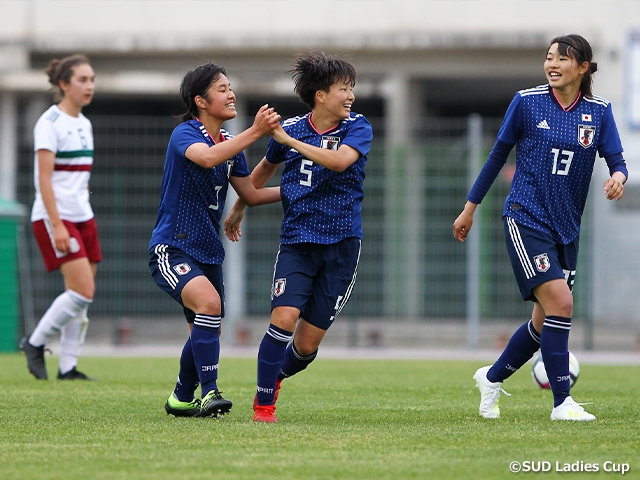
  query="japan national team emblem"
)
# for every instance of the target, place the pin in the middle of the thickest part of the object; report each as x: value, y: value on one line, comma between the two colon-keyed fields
x: 586, y: 134
x: 542, y: 262
x: 182, y: 268
x: 330, y: 143
x: 279, y: 286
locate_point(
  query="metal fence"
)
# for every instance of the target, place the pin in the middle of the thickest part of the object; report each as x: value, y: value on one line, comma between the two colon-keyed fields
x: 411, y: 268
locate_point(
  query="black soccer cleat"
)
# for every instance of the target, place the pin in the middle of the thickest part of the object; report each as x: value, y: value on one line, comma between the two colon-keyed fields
x: 72, y: 374
x: 35, y: 359
x: 213, y: 405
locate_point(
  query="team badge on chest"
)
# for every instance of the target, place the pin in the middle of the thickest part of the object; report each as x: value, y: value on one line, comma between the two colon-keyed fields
x: 542, y: 262
x: 330, y: 143
x: 586, y: 133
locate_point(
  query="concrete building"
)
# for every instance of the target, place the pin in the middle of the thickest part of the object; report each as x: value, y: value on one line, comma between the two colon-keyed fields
x: 415, y: 59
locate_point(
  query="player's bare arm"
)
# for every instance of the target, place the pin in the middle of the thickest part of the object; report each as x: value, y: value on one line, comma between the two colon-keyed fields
x: 253, y: 196
x: 259, y: 177
x: 463, y: 223
x: 614, y: 186
x: 208, y: 157
x: 337, y: 161
x: 46, y: 163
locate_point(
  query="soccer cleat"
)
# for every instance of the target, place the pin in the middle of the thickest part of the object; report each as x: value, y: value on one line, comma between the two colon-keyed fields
x: 35, y: 359
x: 275, y: 395
x: 570, y: 410
x: 265, y: 414
x: 489, y: 394
x: 214, y: 405
x: 72, y: 374
x: 182, y: 409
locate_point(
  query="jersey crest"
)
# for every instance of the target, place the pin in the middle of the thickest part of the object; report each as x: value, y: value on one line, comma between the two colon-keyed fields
x: 182, y: 269
x: 230, y: 163
x: 542, y: 262
x: 330, y: 143
x: 586, y: 134
x: 279, y: 286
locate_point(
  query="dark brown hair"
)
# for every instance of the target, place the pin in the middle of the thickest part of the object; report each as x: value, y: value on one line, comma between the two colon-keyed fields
x: 576, y: 47
x: 62, y: 71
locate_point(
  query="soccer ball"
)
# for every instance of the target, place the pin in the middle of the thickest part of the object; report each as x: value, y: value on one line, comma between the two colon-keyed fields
x: 539, y: 373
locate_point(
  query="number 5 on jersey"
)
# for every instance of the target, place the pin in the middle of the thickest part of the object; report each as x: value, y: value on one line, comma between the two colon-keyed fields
x: 304, y: 164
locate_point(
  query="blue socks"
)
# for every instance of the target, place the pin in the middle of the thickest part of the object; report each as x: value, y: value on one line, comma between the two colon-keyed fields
x: 294, y: 362
x: 205, y: 343
x: 554, y: 346
x: 270, y: 359
x: 188, y: 377
x: 521, y: 347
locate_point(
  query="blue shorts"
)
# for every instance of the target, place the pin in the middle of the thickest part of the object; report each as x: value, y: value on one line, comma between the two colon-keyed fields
x: 172, y: 269
x: 536, y: 258
x: 316, y: 279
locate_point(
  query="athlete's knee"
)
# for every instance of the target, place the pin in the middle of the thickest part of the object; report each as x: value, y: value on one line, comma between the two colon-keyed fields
x: 306, y: 346
x: 285, y: 317
x: 209, y: 305
x: 87, y: 289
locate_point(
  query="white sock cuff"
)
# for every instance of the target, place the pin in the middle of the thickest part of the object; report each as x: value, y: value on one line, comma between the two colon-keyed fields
x: 78, y: 299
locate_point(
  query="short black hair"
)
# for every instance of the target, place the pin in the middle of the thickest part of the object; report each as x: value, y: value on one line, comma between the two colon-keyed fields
x: 315, y: 71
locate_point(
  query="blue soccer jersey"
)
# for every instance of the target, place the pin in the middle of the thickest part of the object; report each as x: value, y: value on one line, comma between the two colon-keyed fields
x: 555, y: 155
x: 193, y: 197
x: 321, y: 206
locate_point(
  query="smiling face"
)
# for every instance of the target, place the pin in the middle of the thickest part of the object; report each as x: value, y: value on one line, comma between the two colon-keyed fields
x: 81, y: 87
x: 563, y: 71
x: 338, y: 100
x: 220, y: 101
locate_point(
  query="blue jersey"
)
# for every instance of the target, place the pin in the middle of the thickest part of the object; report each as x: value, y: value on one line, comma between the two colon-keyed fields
x: 555, y: 155
x: 193, y: 197
x: 321, y: 206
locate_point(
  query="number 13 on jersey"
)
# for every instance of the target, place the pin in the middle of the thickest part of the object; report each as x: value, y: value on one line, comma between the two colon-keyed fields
x: 561, y: 161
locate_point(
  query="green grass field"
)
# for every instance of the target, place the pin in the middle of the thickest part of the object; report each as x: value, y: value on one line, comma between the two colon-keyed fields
x: 340, y: 419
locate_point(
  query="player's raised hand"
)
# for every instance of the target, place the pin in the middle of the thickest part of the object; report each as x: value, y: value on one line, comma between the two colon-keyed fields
x: 266, y: 119
x: 279, y: 135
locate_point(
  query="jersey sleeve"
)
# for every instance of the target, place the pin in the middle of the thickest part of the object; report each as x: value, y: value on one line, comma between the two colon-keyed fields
x: 496, y: 160
x: 240, y: 168
x: 359, y: 135
x: 45, y: 136
x: 610, y: 143
x: 513, y: 123
x: 183, y: 137
x: 275, y: 152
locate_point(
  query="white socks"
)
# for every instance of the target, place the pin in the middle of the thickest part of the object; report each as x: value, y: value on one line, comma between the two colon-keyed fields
x: 71, y: 340
x: 68, y: 314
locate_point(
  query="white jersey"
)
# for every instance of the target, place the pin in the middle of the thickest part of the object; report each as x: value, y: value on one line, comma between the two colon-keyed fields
x: 71, y: 139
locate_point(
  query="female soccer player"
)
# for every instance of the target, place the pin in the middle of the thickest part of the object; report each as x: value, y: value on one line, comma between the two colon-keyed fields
x: 557, y: 129
x: 62, y: 218
x: 325, y: 152
x: 185, y: 250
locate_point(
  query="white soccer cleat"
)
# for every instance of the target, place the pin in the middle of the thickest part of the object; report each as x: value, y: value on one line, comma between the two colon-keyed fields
x: 570, y: 410
x: 489, y: 394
